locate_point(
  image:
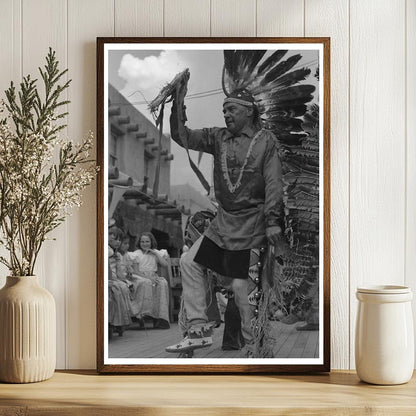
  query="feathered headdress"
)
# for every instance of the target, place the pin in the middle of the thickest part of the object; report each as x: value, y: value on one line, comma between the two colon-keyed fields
x: 281, y: 96
x: 275, y: 86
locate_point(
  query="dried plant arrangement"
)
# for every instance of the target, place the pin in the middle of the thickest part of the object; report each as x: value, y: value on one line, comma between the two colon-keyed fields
x: 42, y: 175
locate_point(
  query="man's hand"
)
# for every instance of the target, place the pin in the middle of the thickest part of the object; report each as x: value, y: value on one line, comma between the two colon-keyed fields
x: 273, y: 234
x: 179, y: 94
x: 183, y: 89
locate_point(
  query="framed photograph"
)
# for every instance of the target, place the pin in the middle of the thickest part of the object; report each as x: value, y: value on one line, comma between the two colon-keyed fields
x: 213, y: 249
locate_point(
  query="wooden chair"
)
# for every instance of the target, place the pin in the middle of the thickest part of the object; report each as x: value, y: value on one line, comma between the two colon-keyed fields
x: 175, y: 288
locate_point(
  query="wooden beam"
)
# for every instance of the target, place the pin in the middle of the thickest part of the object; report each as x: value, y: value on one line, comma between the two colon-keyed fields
x: 114, y: 111
x: 132, y: 128
x: 162, y: 206
x: 121, y: 182
x: 168, y: 211
x: 124, y: 120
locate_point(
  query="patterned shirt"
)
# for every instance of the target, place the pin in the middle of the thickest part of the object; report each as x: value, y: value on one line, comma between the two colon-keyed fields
x: 247, y: 183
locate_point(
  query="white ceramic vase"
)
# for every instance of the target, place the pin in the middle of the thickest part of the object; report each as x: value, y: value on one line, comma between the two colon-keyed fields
x: 384, y: 340
x: 27, y: 331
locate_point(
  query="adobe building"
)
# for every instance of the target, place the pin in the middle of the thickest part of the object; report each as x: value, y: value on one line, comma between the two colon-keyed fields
x: 138, y: 195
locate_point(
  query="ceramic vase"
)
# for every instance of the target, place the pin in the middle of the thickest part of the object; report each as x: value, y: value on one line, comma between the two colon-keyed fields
x: 384, y: 341
x: 27, y: 331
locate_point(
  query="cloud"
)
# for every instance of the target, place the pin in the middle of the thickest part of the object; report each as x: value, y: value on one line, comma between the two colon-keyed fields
x: 151, y: 72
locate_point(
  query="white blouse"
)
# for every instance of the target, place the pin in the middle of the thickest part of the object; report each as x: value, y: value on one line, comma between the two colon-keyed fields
x: 145, y: 262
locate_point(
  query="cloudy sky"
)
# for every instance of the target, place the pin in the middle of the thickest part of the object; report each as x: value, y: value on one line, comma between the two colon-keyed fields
x: 140, y: 74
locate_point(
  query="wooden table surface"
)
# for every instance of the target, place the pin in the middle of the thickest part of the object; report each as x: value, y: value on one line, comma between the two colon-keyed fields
x: 86, y: 393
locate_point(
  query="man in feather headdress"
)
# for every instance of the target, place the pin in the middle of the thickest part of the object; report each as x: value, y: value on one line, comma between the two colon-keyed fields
x: 248, y: 189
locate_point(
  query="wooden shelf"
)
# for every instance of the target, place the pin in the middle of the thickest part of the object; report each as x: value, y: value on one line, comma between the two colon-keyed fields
x: 86, y: 393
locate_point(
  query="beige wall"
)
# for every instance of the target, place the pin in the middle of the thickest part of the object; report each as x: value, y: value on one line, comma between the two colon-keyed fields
x: 373, y: 129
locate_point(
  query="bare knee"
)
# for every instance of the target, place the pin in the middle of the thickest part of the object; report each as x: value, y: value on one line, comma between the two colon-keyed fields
x: 239, y: 285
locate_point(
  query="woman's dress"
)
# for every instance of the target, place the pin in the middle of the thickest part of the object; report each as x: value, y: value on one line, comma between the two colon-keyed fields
x: 150, y: 298
x: 141, y: 291
x: 119, y: 304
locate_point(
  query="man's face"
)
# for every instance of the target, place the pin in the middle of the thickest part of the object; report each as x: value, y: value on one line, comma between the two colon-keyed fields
x: 236, y: 116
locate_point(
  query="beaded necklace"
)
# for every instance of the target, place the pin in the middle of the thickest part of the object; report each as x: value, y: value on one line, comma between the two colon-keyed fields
x: 224, y: 167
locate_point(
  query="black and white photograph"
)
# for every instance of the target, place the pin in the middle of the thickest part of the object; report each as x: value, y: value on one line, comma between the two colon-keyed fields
x: 213, y: 242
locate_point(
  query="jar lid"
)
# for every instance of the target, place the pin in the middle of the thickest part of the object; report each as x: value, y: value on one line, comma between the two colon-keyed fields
x: 384, y: 289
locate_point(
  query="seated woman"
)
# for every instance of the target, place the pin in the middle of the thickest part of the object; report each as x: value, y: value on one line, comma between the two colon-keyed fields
x: 145, y: 261
x: 141, y: 291
x: 119, y: 305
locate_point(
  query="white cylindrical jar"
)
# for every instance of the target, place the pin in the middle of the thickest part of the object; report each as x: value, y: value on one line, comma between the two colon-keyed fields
x: 384, y: 337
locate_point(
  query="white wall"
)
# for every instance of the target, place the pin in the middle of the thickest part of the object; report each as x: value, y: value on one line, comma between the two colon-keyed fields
x: 373, y: 132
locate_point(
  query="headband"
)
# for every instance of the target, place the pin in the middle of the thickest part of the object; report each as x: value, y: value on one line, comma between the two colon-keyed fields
x: 242, y: 97
x: 238, y: 101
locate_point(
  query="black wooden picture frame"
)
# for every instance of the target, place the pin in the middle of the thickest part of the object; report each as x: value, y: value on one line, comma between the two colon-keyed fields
x: 136, y: 194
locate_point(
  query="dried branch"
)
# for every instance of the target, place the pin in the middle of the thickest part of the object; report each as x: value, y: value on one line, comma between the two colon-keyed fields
x: 37, y: 194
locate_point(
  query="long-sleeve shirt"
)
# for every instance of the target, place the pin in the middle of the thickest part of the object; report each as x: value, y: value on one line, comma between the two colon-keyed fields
x: 244, y: 212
